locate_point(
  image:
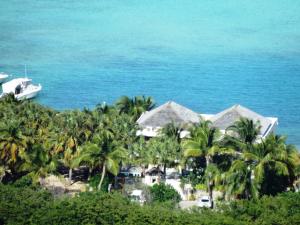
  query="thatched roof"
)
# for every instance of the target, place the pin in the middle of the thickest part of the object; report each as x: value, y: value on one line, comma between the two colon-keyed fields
x: 169, y: 112
x: 154, y: 171
x: 227, y: 118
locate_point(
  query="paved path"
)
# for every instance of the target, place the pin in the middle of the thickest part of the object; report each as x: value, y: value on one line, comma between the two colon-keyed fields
x: 187, y: 204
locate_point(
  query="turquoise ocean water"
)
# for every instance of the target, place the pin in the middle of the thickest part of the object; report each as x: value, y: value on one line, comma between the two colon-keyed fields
x: 204, y: 54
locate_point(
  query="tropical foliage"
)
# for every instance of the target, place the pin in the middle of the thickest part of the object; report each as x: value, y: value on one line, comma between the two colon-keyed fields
x: 162, y: 193
x: 240, y: 162
x: 25, y: 205
x: 204, y: 142
x: 37, y: 141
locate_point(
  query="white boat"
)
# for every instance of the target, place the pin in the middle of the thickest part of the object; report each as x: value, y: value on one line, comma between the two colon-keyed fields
x: 22, y: 88
x: 3, y: 76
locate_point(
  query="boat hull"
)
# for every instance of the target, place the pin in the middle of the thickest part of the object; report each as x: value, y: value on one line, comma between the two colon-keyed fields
x: 29, y: 94
x: 2, y: 79
x: 26, y: 96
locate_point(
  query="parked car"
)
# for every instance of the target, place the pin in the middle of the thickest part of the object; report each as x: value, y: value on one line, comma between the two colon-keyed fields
x: 204, y: 201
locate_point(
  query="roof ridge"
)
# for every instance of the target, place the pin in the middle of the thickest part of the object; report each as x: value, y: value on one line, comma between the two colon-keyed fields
x: 251, y: 111
x: 157, y: 109
x: 187, y: 110
x: 170, y: 111
x: 176, y: 113
x: 237, y: 111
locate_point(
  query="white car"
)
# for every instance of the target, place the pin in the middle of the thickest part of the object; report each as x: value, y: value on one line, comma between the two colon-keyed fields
x: 204, y: 201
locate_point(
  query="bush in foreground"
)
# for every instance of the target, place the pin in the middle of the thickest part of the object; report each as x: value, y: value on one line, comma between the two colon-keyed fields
x: 27, y: 206
x: 162, y: 193
x: 282, y: 209
x: 17, y: 204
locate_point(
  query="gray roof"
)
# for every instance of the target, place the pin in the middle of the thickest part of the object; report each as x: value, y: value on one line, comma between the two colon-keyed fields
x: 154, y: 171
x: 169, y: 112
x: 227, y: 118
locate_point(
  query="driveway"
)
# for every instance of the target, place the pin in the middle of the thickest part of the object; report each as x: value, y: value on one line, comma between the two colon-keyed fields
x: 187, y: 204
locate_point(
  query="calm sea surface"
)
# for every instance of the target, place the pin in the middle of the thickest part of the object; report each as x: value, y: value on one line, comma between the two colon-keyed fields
x: 206, y: 55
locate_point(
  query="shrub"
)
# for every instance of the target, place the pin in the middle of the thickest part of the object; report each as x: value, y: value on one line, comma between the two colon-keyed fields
x: 201, y: 187
x: 25, y: 181
x: 28, y: 206
x: 87, y: 208
x: 282, y: 209
x: 17, y: 205
x: 103, y: 208
x: 162, y: 193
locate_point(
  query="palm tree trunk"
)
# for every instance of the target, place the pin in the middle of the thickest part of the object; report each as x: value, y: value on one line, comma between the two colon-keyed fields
x: 90, y: 173
x: 115, y: 182
x: 208, y: 159
x: 249, y: 183
x: 209, y: 182
x: 102, y: 176
x: 165, y: 171
x: 210, y: 189
x: 70, y: 174
x: 248, y: 190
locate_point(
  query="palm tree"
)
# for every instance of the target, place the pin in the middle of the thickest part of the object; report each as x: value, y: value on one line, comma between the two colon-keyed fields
x: 135, y: 106
x: 164, y: 150
x: 38, y: 162
x: 239, y: 180
x: 243, y: 133
x: 138, y: 152
x: 173, y: 131
x: 213, y: 177
x: 296, y: 183
x: 75, y: 133
x: 284, y: 162
x: 248, y: 172
x: 124, y: 129
x: 103, y: 152
x: 103, y: 108
x: 12, y: 141
x: 34, y: 117
x: 204, y: 142
x: 69, y: 159
x: 66, y: 147
x: 3, y: 171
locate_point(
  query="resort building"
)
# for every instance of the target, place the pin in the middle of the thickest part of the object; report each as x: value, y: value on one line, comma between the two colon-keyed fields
x: 153, y: 176
x: 151, y: 122
x: 226, y: 118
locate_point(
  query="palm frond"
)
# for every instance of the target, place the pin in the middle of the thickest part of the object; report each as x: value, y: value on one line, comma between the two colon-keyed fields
x: 112, y: 166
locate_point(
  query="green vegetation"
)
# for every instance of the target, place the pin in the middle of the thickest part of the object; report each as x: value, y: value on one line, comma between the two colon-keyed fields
x: 24, y: 205
x: 162, y: 193
x: 244, y: 168
x: 17, y: 204
x: 36, y: 141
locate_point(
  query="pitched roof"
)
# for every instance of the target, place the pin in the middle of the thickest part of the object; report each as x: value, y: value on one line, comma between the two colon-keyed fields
x: 154, y: 171
x: 227, y: 118
x: 168, y: 113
